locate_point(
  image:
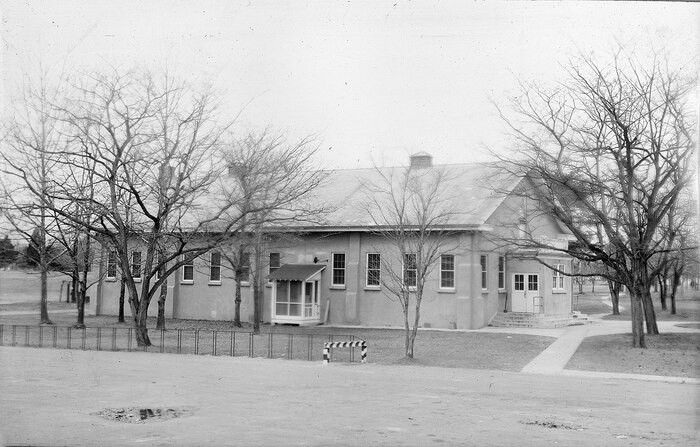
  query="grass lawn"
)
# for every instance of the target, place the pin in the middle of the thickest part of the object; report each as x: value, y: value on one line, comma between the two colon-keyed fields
x: 687, y: 306
x: 676, y: 354
x: 508, y: 352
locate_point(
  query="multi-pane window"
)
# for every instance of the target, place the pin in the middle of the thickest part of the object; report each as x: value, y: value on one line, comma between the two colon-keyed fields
x: 558, y: 277
x: 447, y: 271
x: 374, y: 265
x: 501, y: 272
x: 136, y: 264
x: 245, y: 267
x: 533, y: 283
x: 484, y: 272
x: 338, y: 278
x: 274, y: 262
x: 215, y: 267
x: 188, y: 271
x: 410, y: 269
x: 112, y: 264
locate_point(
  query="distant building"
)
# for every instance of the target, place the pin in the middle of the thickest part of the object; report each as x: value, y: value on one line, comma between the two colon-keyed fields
x: 330, y: 272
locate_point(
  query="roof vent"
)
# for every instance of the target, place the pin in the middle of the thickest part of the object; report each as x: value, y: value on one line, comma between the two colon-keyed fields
x: 421, y: 160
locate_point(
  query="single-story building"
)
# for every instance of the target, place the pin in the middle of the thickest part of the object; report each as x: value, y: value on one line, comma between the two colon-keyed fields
x: 331, y: 272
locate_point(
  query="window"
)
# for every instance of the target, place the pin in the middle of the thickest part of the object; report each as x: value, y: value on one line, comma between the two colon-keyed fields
x: 410, y: 271
x: 215, y: 267
x: 374, y: 265
x: 188, y: 272
x: 501, y: 272
x: 484, y: 272
x: 533, y: 283
x: 136, y: 265
x: 274, y: 263
x: 558, y: 278
x: 245, y: 267
x: 338, y: 278
x: 112, y: 265
x: 447, y: 272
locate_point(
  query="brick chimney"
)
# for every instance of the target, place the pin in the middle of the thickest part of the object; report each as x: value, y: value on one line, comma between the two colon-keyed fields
x: 421, y: 160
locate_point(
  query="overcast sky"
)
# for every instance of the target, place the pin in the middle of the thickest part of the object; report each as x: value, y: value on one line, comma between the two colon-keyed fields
x: 370, y: 79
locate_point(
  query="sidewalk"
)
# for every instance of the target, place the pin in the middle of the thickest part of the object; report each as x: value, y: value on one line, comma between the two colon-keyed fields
x: 553, y: 360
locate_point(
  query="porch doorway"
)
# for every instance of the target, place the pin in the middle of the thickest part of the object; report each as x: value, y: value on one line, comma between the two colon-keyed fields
x: 296, y: 294
x: 525, y: 293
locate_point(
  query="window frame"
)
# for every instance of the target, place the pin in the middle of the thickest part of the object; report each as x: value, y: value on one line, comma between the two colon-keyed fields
x: 187, y: 265
x: 213, y: 266
x: 378, y: 270
x: 453, y: 271
x: 405, y: 270
x: 484, y: 262
x: 501, y: 273
x: 559, y: 276
x: 342, y: 269
x: 270, y: 268
x: 245, y: 266
x: 136, y: 274
x: 111, y: 259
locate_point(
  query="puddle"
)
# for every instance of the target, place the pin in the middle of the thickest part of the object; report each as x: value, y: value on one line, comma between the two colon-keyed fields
x: 136, y: 415
x: 551, y: 424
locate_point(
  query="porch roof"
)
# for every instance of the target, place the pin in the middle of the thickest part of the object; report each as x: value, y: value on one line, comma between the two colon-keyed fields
x: 296, y: 272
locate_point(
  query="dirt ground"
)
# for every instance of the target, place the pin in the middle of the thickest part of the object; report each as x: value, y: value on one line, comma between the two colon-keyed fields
x: 53, y: 397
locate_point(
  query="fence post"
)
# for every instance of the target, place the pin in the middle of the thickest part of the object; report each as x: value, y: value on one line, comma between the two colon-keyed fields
x: 99, y: 338
x: 196, y: 341
x: 114, y: 339
x: 14, y: 335
x: 129, y: 335
x: 55, y: 338
x: 269, y: 345
x: 162, y: 340
x: 232, y: 348
x: 41, y: 336
x: 213, y: 343
x: 179, y: 341
x: 26, y: 336
x: 82, y: 341
x: 250, y: 346
x: 2, y: 335
x: 290, y: 346
x: 69, y: 337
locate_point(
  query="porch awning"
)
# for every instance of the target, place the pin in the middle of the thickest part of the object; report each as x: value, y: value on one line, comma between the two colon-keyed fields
x: 296, y: 272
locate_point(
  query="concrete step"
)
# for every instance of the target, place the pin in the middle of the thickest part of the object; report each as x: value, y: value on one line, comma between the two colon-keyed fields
x: 521, y: 319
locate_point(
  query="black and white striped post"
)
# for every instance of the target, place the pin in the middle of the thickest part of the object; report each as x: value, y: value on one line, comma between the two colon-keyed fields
x: 343, y: 344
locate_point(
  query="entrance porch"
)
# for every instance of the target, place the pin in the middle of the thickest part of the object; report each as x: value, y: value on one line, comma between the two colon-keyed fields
x: 296, y: 294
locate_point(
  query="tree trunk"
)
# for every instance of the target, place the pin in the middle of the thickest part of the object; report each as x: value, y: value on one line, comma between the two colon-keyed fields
x: 80, y: 304
x: 43, y: 303
x: 237, y: 299
x: 636, y: 291
x: 257, y: 302
x: 663, y: 290
x: 140, y: 325
x: 122, y: 291
x: 614, y: 288
x: 592, y: 285
x: 649, y: 312
x: 160, y: 321
x: 677, y: 273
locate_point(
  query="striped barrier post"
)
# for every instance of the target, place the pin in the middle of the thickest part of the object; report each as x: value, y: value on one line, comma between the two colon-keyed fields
x: 343, y: 344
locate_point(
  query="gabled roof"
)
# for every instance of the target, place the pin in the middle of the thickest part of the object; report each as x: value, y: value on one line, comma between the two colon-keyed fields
x: 295, y: 272
x: 473, y: 191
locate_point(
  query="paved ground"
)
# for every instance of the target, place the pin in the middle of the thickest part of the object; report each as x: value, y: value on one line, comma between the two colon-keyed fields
x: 49, y: 397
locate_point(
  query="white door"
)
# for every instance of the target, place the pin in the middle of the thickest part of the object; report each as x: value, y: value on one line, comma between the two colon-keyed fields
x: 525, y: 288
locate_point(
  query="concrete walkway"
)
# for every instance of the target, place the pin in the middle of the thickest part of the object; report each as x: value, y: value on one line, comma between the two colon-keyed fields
x: 553, y: 360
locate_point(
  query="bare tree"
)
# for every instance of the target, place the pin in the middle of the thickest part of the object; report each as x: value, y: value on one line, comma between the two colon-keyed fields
x: 274, y: 181
x: 31, y: 139
x: 412, y: 211
x: 607, y: 152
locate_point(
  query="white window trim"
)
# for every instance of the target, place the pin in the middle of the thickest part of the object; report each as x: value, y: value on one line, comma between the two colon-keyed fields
x: 344, y: 269
x: 373, y: 286
x: 503, y: 272
x: 484, y: 269
x: 269, y: 272
x: 107, y: 277
x: 555, y: 276
x: 454, y: 273
x: 403, y: 271
x: 246, y: 283
x: 182, y: 275
x: 131, y: 265
x: 211, y: 264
